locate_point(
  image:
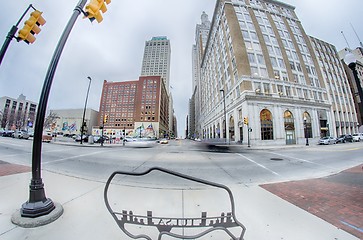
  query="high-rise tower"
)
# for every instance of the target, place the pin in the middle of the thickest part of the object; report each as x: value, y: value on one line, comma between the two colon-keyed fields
x: 156, y: 61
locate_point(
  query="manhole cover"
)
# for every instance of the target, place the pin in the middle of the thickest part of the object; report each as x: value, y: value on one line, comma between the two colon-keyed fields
x: 276, y: 159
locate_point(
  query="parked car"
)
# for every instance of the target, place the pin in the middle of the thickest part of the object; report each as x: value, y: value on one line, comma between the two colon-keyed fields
x: 344, y: 138
x: 46, y: 138
x: 8, y: 133
x: 357, y: 137
x: 21, y: 134
x: 98, y: 138
x: 130, y: 139
x: 84, y: 138
x: 327, y: 141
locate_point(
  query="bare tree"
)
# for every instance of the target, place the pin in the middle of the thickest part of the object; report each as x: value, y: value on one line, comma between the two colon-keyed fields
x: 3, y: 119
x: 50, y: 120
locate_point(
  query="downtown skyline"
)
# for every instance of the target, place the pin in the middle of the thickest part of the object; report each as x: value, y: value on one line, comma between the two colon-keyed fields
x: 113, y: 50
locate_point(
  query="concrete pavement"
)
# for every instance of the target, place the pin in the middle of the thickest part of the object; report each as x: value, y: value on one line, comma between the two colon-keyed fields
x: 265, y: 215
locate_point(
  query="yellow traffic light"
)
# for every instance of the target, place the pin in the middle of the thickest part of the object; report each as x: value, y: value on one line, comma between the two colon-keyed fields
x: 31, y: 27
x: 105, y: 118
x: 94, y: 7
x: 245, y: 120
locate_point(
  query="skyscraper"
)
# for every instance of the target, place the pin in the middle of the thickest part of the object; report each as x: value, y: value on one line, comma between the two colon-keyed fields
x: 201, y: 37
x: 260, y: 64
x: 156, y: 61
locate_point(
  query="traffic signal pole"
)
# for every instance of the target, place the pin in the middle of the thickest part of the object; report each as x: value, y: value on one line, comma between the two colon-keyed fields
x: 11, y: 35
x: 38, y: 204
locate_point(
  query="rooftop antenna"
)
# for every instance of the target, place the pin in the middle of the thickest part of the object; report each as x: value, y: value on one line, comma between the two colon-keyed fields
x: 345, y: 39
x: 360, y: 42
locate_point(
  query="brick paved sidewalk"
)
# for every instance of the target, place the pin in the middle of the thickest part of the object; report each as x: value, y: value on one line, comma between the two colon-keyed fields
x: 338, y: 199
x: 9, y: 169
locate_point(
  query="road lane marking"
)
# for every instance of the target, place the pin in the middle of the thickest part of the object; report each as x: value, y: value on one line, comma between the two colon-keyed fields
x: 303, y: 160
x: 260, y: 165
x: 73, y: 157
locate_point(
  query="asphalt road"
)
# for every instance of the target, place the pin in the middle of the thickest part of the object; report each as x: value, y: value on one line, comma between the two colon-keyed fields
x: 241, y: 166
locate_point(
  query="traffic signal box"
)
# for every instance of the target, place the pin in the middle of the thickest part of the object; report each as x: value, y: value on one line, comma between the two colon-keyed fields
x: 105, y: 118
x: 94, y: 8
x: 245, y: 120
x: 31, y: 27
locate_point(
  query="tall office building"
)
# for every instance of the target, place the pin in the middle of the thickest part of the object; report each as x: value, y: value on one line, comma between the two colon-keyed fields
x: 201, y: 38
x: 17, y: 113
x: 343, y: 111
x: 260, y: 77
x: 156, y: 61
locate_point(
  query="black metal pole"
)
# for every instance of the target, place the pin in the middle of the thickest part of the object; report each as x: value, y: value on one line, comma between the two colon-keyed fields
x: 352, y: 66
x: 103, y: 126
x: 306, y: 132
x: 6, y: 44
x: 225, y: 116
x: 11, y: 34
x: 248, y: 135
x: 38, y: 204
x: 84, y: 109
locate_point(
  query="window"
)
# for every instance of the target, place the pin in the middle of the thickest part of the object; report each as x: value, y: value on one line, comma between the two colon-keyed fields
x: 251, y: 58
x: 260, y: 59
x: 266, y: 125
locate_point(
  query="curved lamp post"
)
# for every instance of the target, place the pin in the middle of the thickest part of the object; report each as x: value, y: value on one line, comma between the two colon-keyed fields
x: 38, y: 204
x: 350, y: 60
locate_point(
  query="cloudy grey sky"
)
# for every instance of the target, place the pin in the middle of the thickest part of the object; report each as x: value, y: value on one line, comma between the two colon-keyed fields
x: 113, y: 50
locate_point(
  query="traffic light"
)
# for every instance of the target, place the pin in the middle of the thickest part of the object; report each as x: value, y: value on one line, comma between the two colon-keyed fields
x: 31, y: 27
x: 245, y: 120
x: 94, y: 7
x: 105, y: 118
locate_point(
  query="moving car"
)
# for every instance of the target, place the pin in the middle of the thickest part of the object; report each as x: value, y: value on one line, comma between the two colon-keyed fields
x: 327, y: 141
x: 344, y: 138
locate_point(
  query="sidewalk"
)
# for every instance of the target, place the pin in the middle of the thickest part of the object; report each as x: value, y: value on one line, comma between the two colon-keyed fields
x: 265, y: 215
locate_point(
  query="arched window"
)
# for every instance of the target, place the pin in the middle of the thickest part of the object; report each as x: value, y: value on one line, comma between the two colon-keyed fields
x: 289, y: 120
x: 267, y: 131
x: 307, y: 125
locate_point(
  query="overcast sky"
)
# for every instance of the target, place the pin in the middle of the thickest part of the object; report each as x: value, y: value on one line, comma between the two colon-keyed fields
x: 113, y: 50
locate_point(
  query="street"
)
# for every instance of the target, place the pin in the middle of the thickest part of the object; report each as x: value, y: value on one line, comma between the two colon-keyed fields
x: 297, y: 176
x: 239, y: 166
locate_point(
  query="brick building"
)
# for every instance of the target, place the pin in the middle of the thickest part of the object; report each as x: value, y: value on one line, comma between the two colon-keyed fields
x: 140, y: 107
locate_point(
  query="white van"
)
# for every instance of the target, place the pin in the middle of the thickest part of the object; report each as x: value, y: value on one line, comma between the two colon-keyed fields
x: 357, y: 137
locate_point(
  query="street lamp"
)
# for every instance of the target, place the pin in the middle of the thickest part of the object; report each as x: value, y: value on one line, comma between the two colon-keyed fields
x: 225, y: 115
x: 84, y: 109
x: 350, y: 60
x: 306, y: 131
